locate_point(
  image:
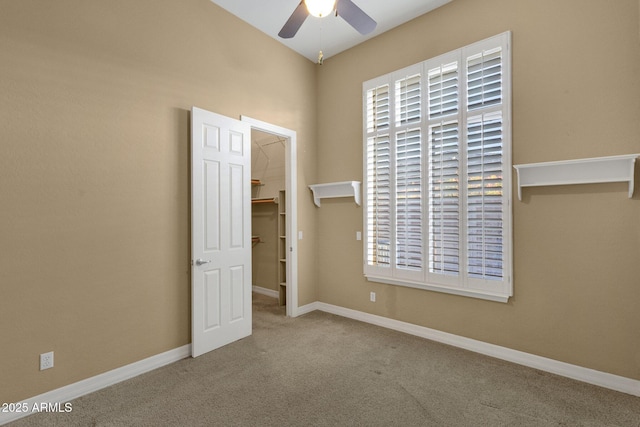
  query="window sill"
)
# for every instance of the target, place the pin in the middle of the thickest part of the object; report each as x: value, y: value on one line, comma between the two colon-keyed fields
x: 441, y: 288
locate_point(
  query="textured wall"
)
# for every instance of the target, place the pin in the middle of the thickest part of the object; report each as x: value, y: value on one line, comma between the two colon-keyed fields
x: 576, y: 94
x: 94, y: 168
x: 264, y: 255
x: 94, y: 172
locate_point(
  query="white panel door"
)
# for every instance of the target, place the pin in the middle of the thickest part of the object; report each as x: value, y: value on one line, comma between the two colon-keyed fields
x: 220, y: 230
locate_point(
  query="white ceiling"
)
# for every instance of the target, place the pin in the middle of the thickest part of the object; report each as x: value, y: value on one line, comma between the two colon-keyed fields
x: 331, y: 34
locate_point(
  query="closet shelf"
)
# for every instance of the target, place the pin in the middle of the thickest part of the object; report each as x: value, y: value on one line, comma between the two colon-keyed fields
x: 580, y: 171
x: 336, y: 189
x: 267, y: 200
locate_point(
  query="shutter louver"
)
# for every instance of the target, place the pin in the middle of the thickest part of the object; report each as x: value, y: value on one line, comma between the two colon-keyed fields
x: 409, y: 200
x: 444, y: 198
x: 443, y: 90
x: 378, y: 109
x: 378, y: 178
x: 485, y: 207
x: 444, y: 170
x: 408, y: 105
x: 379, y: 207
x: 484, y: 79
x: 408, y: 173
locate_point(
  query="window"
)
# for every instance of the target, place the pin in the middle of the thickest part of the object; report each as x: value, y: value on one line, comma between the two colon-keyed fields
x: 437, y: 142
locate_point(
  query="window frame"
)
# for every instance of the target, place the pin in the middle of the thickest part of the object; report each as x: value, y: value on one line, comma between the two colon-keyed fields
x: 463, y: 284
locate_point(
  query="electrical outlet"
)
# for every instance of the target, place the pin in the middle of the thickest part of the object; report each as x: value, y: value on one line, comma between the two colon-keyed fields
x: 372, y: 297
x: 46, y: 360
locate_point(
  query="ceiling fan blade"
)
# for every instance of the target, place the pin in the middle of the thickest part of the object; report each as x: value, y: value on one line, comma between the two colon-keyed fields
x: 355, y: 16
x: 294, y: 22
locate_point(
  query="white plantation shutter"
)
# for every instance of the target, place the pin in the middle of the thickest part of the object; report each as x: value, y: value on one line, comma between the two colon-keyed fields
x: 444, y: 168
x: 378, y: 169
x: 488, y: 165
x: 443, y: 90
x: 378, y: 109
x: 438, y: 181
x: 379, y: 208
x: 444, y: 198
x: 409, y: 200
x: 484, y: 79
x: 485, y: 201
x: 408, y: 100
x: 408, y: 176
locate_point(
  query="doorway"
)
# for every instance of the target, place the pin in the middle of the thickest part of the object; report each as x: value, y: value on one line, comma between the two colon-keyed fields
x: 275, y: 214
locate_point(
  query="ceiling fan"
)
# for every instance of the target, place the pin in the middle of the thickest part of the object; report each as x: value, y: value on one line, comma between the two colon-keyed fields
x: 346, y: 9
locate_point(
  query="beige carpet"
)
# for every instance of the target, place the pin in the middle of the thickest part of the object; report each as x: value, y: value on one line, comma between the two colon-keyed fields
x: 324, y: 370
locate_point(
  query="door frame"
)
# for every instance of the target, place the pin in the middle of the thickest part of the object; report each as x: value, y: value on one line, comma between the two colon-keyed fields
x: 291, y: 206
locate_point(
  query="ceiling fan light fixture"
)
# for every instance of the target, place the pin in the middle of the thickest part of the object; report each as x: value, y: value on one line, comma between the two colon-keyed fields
x: 320, y: 8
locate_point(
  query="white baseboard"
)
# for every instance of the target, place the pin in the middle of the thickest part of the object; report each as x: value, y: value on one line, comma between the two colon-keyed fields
x: 591, y: 376
x: 311, y: 307
x: 264, y: 291
x: 81, y: 388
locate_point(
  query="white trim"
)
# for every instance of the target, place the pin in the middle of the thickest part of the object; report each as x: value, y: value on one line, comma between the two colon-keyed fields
x: 465, y: 292
x: 591, y: 376
x: 89, y: 385
x: 264, y: 291
x: 291, y: 187
x: 312, y: 307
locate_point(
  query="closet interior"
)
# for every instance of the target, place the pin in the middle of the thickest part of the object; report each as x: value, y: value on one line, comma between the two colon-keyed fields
x: 268, y: 215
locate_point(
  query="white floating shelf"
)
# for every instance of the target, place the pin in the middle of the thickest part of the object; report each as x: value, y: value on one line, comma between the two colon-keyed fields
x: 581, y: 171
x: 336, y: 189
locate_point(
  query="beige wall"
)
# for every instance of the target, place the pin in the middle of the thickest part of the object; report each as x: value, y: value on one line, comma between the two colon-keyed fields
x: 264, y: 254
x: 576, y: 93
x: 94, y: 168
x: 94, y: 172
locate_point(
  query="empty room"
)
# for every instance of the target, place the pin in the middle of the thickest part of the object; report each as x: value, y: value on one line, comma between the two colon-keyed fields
x: 453, y: 236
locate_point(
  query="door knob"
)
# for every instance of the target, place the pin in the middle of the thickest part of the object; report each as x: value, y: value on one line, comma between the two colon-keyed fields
x: 201, y: 261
